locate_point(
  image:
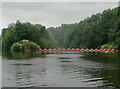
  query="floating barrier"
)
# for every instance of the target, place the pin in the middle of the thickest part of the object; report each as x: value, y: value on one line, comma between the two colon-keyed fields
x: 117, y: 50
x: 96, y: 50
x: 50, y: 50
x: 87, y: 50
x: 59, y: 50
x: 101, y: 50
x: 91, y: 50
x: 68, y: 50
x: 109, y: 50
x: 75, y: 50
x: 45, y: 50
x: 54, y: 50
x: 113, y: 50
x: 63, y: 50
x: 105, y: 50
x: 40, y: 50
x: 36, y: 50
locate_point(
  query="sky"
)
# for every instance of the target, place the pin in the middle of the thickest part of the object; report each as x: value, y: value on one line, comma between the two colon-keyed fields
x: 51, y: 14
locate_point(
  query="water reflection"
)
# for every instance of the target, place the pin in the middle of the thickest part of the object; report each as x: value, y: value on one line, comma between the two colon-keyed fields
x: 21, y: 55
x: 108, y: 58
x: 109, y: 74
x: 56, y: 70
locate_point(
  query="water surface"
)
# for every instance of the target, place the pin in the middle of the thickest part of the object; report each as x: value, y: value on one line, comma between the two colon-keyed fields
x: 61, y: 70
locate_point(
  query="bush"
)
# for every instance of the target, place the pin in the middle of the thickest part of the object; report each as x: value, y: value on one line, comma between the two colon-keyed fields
x: 109, y: 46
x: 29, y: 46
x: 16, y: 47
x: 26, y: 46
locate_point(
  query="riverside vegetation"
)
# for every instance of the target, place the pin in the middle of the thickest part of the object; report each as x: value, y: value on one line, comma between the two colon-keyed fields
x: 24, y: 46
x: 36, y: 34
x: 101, y: 30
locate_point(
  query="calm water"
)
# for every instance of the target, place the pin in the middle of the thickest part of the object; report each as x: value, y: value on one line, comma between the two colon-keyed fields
x: 61, y: 70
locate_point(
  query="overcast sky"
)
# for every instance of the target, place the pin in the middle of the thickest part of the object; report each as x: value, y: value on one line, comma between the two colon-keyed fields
x: 51, y: 13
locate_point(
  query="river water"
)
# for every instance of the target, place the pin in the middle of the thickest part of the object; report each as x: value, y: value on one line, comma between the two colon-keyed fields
x: 61, y: 70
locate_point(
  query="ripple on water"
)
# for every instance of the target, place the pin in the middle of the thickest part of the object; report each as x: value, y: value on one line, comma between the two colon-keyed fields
x: 62, y: 70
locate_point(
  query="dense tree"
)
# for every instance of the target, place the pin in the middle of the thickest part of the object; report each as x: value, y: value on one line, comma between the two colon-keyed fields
x: 35, y: 33
x: 101, y: 29
x: 92, y: 32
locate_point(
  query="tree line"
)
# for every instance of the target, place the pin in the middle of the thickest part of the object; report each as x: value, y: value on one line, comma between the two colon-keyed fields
x: 101, y: 30
x: 26, y: 31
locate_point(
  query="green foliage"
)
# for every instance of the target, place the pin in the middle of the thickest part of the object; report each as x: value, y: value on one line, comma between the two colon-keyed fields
x: 108, y: 46
x: 92, y: 32
x: 35, y: 33
x: 63, y: 34
x: 8, y: 39
x: 29, y: 46
x: 52, y: 43
x: 24, y: 46
x: 16, y: 47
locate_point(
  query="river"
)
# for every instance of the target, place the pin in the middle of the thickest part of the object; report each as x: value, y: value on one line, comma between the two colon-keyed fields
x: 61, y: 70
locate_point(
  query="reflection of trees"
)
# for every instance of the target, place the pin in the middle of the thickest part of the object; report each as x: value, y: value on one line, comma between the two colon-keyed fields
x: 21, y: 55
x: 110, y: 72
x: 108, y: 58
x: 110, y: 77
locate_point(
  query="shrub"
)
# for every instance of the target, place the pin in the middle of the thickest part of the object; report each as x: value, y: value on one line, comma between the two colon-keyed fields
x: 25, y: 46
x: 109, y: 46
x: 29, y: 46
x: 16, y: 47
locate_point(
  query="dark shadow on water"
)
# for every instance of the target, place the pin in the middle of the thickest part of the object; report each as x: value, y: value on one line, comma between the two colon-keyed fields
x: 65, y: 61
x: 64, y: 58
x: 108, y: 58
x: 22, y: 55
x: 107, y: 71
x: 23, y: 64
